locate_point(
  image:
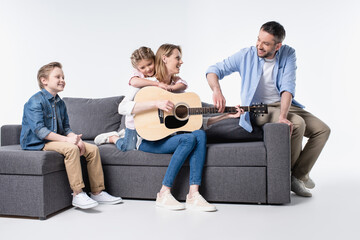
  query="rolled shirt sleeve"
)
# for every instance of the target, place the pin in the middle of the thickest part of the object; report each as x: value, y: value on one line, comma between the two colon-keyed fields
x: 35, y: 116
x: 286, y: 76
x: 228, y: 65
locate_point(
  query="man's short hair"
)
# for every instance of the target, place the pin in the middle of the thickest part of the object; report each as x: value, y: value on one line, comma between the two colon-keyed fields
x: 275, y: 29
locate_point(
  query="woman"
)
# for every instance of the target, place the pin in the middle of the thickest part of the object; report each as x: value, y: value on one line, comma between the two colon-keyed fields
x: 192, y: 146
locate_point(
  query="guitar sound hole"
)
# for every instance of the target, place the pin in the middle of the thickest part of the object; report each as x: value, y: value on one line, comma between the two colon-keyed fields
x: 171, y: 122
x: 181, y: 112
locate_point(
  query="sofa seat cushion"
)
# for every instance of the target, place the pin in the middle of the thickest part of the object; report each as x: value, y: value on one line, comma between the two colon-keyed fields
x: 110, y: 155
x: 236, y: 154
x: 14, y: 160
x: 230, y: 154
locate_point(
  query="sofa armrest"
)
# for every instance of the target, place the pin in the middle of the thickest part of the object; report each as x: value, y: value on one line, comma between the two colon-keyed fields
x: 278, y: 149
x: 10, y: 135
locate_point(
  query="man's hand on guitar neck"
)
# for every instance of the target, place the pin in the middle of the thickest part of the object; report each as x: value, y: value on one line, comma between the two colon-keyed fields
x: 219, y: 100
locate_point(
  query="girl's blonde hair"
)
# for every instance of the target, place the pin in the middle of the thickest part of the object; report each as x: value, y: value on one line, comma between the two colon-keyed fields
x: 45, y: 70
x: 160, y: 68
x: 140, y: 54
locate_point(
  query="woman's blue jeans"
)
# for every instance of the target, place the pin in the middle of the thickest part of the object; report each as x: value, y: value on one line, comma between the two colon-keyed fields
x: 183, y: 146
x: 128, y: 142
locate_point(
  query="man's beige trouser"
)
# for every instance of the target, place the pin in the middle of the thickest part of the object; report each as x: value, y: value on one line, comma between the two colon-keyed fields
x: 305, y: 125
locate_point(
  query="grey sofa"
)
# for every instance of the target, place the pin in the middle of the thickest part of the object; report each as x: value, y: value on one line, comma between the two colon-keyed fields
x: 240, y: 167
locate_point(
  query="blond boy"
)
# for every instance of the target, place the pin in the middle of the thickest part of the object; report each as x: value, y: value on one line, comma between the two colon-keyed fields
x: 45, y: 126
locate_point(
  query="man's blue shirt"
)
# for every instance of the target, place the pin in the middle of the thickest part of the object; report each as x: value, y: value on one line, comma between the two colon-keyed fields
x: 43, y: 113
x: 249, y: 65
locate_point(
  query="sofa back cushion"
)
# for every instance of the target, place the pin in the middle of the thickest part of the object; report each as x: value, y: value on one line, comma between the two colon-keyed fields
x: 91, y: 117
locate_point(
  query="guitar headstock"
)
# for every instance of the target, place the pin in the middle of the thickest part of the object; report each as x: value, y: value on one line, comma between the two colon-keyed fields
x: 259, y: 108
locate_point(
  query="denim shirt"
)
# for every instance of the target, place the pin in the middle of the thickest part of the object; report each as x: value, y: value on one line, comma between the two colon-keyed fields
x: 43, y: 113
x: 249, y: 65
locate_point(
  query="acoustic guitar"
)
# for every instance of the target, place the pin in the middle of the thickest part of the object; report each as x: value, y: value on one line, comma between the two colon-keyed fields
x: 186, y: 116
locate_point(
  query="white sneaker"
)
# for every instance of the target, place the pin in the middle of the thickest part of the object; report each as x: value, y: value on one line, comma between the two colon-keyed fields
x: 298, y: 187
x: 105, y: 198
x: 198, y: 203
x: 168, y: 201
x: 104, y: 137
x: 82, y: 200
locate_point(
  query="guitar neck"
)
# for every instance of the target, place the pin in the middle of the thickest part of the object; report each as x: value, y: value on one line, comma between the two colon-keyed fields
x: 213, y: 110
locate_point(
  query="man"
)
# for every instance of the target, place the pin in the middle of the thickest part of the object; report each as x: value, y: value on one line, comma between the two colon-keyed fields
x: 268, y: 73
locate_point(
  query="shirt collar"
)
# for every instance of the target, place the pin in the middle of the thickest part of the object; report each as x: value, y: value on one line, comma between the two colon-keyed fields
x: 49, y: 96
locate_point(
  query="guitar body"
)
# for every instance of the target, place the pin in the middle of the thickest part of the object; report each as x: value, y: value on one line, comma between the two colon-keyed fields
x: 156, y: 124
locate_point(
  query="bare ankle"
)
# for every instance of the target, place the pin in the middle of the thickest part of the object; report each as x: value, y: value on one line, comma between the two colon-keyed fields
x: 193, y: 190
x: 113, y: 139
x: 76, y: 192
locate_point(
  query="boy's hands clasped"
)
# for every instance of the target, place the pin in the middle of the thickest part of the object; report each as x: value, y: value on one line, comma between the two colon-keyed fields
x: 81, y: 147
x: 76, y: 140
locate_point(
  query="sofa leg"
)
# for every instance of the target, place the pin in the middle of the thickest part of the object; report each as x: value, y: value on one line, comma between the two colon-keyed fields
x: 42, y: 218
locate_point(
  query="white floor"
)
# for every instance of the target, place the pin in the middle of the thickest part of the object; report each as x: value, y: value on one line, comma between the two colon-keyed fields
x: 332, y: 213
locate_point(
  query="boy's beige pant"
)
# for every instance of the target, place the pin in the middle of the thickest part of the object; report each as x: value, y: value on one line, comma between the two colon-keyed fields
x: 304, y: 125
x: 71, y: 153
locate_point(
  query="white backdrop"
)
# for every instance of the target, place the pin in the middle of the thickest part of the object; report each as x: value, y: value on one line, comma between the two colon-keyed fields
x: 94, y: 39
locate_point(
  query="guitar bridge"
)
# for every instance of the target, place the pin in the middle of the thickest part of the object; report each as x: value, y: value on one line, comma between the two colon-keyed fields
x: 161, y: 115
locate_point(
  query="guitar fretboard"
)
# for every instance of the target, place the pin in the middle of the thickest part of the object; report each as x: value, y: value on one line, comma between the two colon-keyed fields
x: 212, y: 110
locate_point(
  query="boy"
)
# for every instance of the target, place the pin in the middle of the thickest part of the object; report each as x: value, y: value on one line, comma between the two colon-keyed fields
x: 45, y: 126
